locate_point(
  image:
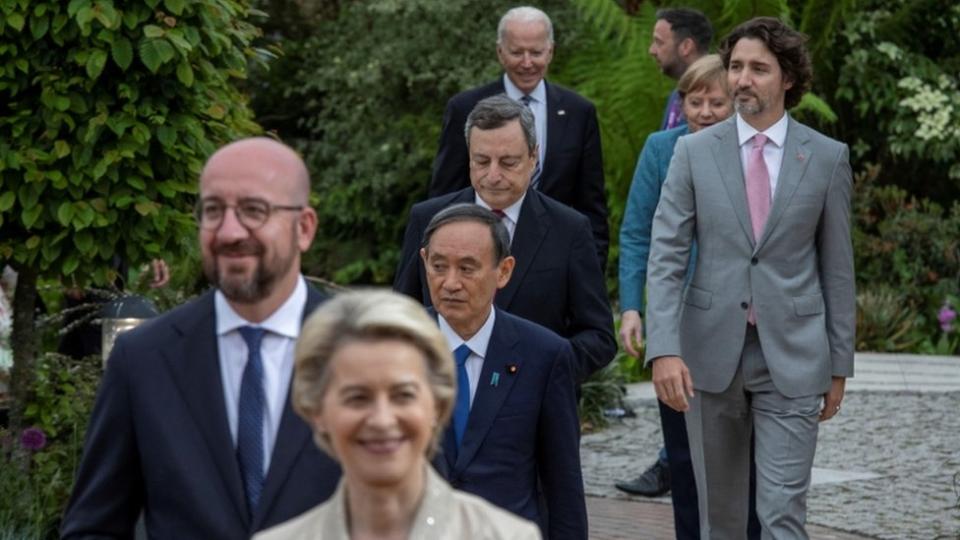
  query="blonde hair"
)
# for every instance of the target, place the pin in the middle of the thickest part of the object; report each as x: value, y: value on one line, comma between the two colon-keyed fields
x: 704, y: 73
x: 369, y: 315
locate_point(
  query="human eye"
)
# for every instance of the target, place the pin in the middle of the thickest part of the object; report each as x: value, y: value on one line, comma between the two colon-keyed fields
x: 355, y: 399
x: 211, y: 210
x: 510, y: 163
x: 254, y: 210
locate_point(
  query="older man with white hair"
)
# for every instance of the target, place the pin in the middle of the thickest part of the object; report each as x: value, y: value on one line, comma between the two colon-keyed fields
x: 569, y: 162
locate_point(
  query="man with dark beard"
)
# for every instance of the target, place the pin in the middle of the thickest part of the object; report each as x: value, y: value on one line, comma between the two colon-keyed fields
x: 192, y: 424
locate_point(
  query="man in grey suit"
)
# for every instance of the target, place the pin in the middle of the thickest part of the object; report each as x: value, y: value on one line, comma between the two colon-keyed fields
x: 764, y: 332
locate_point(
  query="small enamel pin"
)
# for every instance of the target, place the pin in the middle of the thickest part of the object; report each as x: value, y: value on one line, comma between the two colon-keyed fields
x: 800, y: 156
x: 512, y: 369
x: 561, y: 112
x: 495, y: 379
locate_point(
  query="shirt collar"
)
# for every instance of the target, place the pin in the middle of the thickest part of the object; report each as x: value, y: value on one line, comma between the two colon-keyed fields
x: 285, y: 321
x: 539, y: 93
x: 478, y: 343
x: 777, y: 133
x: 512, y: 211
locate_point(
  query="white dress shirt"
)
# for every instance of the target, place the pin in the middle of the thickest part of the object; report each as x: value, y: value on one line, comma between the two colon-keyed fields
x: 772, y: 151
x: 538, y: 106
x: 276, y: 352
x: 511, y: 213
x: 477, y: 345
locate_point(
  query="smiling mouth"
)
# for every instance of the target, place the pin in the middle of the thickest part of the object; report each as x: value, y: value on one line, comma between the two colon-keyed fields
x: 382, y: 446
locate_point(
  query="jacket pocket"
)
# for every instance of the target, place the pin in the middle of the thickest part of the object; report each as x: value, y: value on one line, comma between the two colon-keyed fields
x: 698, y: 297
x: 811, y: 304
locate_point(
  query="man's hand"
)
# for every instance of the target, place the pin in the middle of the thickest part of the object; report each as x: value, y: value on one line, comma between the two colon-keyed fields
x: 832, y: 399
x: 161, y: 273
x: 671, y: 378
x: 631, y: 331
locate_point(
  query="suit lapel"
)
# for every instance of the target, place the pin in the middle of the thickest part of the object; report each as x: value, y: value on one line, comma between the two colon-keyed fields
x: 532, y: 227
x: 194, y: 364
x: 556, y: 127
x: 731, y: 173
x: 293, y: 436
x: 492, y: 389
x: 796, y: 156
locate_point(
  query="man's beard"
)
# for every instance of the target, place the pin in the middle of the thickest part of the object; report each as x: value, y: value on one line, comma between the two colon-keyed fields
x: 748, y: 108
x: 240, y: 288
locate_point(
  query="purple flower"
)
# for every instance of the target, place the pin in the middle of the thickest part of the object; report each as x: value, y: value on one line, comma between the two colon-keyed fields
x: 946, y: 317
x: 33, y: 439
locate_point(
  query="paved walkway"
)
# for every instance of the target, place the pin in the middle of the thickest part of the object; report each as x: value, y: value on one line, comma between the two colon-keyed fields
x: 887, y: 467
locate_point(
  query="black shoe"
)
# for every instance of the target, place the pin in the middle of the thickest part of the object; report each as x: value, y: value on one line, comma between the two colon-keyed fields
x: 654, y: 482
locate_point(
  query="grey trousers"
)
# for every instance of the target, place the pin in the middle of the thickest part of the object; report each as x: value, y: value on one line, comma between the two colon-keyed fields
x: 785, y: 437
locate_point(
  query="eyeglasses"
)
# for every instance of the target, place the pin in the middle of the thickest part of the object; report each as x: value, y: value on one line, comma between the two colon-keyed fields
x: 251, y: 213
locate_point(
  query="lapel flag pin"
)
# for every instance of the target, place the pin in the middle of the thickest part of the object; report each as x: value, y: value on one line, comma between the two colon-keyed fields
x: 512, y: 369
x: 800, y: 156
x: 495, y: 379
x: 561, y: 112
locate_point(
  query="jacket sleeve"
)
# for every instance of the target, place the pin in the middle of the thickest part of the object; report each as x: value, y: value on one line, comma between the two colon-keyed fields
x: 451, y: 170
x: 407, y: 279
x: 636, y: 226
x: 108, y: 492
x: 590, y: 197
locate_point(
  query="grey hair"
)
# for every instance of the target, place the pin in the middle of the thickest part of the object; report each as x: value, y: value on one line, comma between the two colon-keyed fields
x: 524, y: 14
x: 477, y: 214
x: 495, y: 112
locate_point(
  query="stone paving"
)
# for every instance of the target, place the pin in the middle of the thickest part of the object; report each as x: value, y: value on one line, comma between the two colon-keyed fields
x: 887, y: 467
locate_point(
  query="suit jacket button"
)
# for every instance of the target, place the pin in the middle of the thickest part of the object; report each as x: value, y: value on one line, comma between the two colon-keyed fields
x: 754, y: 261
x: 744, y: 305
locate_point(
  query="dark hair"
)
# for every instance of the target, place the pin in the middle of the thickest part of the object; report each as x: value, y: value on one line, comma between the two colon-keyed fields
x: 688, y: 23
x: 476, y: 214
x: 786, y: 44
x: 495, y: 112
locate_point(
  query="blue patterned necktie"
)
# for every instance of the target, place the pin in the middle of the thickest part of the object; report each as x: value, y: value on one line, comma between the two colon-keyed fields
x: 535, y: 178
x: 461, y: 411
x: 250, y: 418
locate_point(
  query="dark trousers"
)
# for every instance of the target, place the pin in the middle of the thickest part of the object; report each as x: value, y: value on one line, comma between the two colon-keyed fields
x: 683, y: 487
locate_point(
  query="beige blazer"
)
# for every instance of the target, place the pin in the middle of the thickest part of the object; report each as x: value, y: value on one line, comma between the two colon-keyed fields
x: 444, y: 513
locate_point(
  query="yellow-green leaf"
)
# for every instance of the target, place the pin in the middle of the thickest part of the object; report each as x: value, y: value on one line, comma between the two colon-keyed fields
x: 175, y: 6
x: 61, y: 148
x: 95, y: 63
x: 185, y: 74
x: 7, y: 200
x: 65, y: 213
x: 153, y: 31
x: 33, y: 242
x: 145, y: 208
x: 16, y: 21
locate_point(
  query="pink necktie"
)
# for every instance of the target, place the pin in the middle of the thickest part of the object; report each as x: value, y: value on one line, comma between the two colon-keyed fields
x: 758, y: 196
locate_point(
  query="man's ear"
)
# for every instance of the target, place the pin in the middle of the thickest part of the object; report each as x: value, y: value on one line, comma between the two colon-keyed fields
x: 504, y: 271
x: 423, y: 255
x: 687, y: 48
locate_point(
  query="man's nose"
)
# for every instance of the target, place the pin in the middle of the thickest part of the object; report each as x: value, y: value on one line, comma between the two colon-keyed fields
x: 230, y: 228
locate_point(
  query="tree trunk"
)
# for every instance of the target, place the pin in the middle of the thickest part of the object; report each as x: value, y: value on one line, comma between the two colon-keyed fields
x: 24, y: 343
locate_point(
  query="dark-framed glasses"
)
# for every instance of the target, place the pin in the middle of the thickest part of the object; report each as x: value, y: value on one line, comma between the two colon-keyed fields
x: 251, y: 213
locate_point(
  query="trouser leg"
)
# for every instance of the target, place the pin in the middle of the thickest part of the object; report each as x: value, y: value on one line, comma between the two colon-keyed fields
x: 683, y: 487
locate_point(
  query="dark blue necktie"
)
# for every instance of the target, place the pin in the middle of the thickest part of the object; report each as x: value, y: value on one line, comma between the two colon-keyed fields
x: 250, y: 418
x: 461, y: 412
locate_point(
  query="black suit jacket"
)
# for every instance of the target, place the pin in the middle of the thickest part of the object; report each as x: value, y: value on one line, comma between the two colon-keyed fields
x: 523, y: 434
x: 159, y: 440
x: 556, y: 283
x: 572, y: 169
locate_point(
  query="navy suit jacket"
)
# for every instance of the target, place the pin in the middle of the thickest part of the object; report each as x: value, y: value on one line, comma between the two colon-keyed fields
x: 572, y: 169
x: 556, y: 283
x: 158, y: 440
x: 523, y: 434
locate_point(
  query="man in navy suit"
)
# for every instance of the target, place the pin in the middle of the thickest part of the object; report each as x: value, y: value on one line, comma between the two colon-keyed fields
x: 514, y: 430
x: 570, y: 160
x: 557, y: 282
x: 192, y: 423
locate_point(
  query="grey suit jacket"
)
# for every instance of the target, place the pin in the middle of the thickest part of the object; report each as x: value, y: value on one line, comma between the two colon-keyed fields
x: 799, y: 275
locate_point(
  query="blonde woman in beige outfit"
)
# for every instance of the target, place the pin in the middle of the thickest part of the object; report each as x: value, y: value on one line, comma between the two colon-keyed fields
x: 375, y: 379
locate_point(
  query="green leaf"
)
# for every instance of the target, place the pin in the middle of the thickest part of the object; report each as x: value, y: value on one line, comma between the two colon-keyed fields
x: 50, y: 251
x: 77, y: 5
x: 175, y: 6
x: 39, y: 26
x: 122, y: 52
x: 61, y: 148
x: 166, y: 135
x: 30, y: 215
x: 33, y: 242
x: 154, y: 53
x: 145, y: 208
x: 16, y: 21
x: 185, y: 74
x: 153, y: 31
x: 95, y: 63
x: 106, y: 14
x: 65, y: 213
x: 70, y: 264
x: 84, y: 242
x: 7, y: 200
